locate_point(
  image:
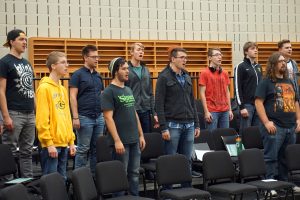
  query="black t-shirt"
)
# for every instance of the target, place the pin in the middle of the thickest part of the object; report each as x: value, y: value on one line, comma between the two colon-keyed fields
x: 279, y: 101
x: 121, y: 101
x: 19, y: 83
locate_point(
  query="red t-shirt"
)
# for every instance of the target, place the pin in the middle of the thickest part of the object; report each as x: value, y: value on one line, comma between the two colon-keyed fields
x: 216, y: 90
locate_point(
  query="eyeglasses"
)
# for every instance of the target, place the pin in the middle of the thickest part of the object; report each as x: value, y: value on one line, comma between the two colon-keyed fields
x: 217, y: 54
x: 94, y: 57
x: 281, y: 61
x: 63, y: 63
x: 182, y: 57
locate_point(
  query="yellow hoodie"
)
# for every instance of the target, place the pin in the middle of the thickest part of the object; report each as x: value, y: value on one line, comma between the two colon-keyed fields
x: 53, y: 117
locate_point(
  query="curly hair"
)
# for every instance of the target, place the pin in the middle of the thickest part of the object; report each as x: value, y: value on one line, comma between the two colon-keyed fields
x: 271, y: 67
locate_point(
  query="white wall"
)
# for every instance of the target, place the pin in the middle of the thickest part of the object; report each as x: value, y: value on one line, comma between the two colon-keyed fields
x: 225, y: 20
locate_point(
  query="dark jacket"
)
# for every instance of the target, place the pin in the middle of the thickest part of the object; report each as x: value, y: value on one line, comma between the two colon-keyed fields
x: 142, y: 89
x: 174, y: 102
x: 246, y: 79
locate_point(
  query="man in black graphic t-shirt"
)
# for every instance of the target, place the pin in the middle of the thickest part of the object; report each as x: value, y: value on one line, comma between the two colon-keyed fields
x: 277, y: 106
x: 17, y: 100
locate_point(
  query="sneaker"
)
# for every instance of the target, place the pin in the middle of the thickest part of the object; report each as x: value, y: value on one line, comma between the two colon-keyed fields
x: 196, y: 174
x: 296, y: 189
x: 273, y: 193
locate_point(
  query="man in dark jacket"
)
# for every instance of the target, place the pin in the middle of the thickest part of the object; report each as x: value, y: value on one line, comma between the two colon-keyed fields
x: 140, y: 83
x: 175, y: 105
x: 246, y: 78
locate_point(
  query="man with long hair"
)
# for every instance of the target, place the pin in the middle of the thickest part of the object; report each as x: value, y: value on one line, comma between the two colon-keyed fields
x: 278, y: 109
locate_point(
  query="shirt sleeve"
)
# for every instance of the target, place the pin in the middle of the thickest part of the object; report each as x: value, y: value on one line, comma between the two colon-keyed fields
x: 3, y: 69
x: 74, y: 81
x: 203, y: 79
x: 261, y: 90
x: 107, y: 101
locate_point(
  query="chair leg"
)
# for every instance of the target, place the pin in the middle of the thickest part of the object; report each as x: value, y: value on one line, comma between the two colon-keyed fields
x: 144, y: 183
x: 257, y: 194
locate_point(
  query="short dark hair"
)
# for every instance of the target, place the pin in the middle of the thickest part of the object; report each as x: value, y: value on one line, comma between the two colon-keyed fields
x: 248, y: 45
x: 87, y: 49
x: 211, y: 50
x: 172, y: 51
x: 282, y: 42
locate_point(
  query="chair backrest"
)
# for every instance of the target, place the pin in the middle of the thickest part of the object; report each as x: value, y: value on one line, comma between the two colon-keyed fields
x: 8, y: 165
x: 251, y: 163
x: 173, y: 169
x: 292, y: 154
x: 83, y: 184
x: 53, y: 187
x: 154, y: 146
x: 205, y: 137
x: 216, y: 137
x: 111, y: 177
x: 251, y: 138
x: 104, y: 152
x: 14, y: 192
x: 217, y: 165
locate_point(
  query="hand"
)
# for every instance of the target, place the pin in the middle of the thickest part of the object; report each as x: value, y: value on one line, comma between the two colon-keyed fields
x: 72, y: 150
x: 197, y: 132
x: 52, y: 151
x: 8, y: 123
x: 1, y: 129
x: 297, y: 130
x: 156, y: 124
x: 76, y: 124
x: 119, y: 147
x: 166, y: 135
x: 271, y: 128
x: 142, y: 142
x: 230, y: 115
x: 244, y: 113
x: 208, y: 117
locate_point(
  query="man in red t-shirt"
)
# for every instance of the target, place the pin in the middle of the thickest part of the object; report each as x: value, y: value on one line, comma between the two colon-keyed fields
x: 214, y: 92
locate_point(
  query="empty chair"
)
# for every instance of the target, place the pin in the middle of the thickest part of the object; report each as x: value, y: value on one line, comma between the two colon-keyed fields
x: 216, y: 137
x: 218, y: 166
x: 103, y: 150
x: 258, y: 170
x: 292, y: 154
x: 153, y: 149
x: 8, y: 165
x: 104, y: 153
x: 251, y: 138
x: 111, y: 178
x: 83, y: 184
x: 14, y: 192
x: 53, y: 187
x: 175, y: 169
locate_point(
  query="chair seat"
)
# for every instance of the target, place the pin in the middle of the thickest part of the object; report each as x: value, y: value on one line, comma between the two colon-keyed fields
x: 272, y: 185
x: 185, y: 193
x: 232, y: 188
x: 129, y: 197
x: 150, y: 166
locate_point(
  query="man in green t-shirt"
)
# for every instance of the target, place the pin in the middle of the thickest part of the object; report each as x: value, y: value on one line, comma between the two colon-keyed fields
x: 126, y: 135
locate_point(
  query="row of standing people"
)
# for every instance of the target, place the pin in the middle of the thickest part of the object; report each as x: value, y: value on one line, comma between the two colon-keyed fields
x: 127, y: 111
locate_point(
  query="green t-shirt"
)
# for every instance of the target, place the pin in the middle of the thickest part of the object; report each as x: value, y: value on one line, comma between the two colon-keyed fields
x: 138, y: 71
x: 121, y: 101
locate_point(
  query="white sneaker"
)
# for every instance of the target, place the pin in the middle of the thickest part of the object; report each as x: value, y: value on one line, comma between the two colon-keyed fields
x: 273, y: 193
x: 296, y: 189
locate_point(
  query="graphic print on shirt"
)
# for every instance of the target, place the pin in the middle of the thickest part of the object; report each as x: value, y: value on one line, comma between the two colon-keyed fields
x: 284, y: 98
x: 60, y: 104
x: 24, y: 82
x: 127, y: 100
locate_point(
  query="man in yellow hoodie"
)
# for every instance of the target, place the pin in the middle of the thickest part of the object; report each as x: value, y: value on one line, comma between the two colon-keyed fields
x: 53, y: 117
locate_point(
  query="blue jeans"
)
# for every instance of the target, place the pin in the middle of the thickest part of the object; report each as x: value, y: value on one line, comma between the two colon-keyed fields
x: 22, y: 136
x: 251, y: 120
x: 145, y: 121
x: 59, y: 164
x: 220, y: 120
x: 87, y: 135
x: 274, y: 150
x: 131, y: 160
x: 182, y: 141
